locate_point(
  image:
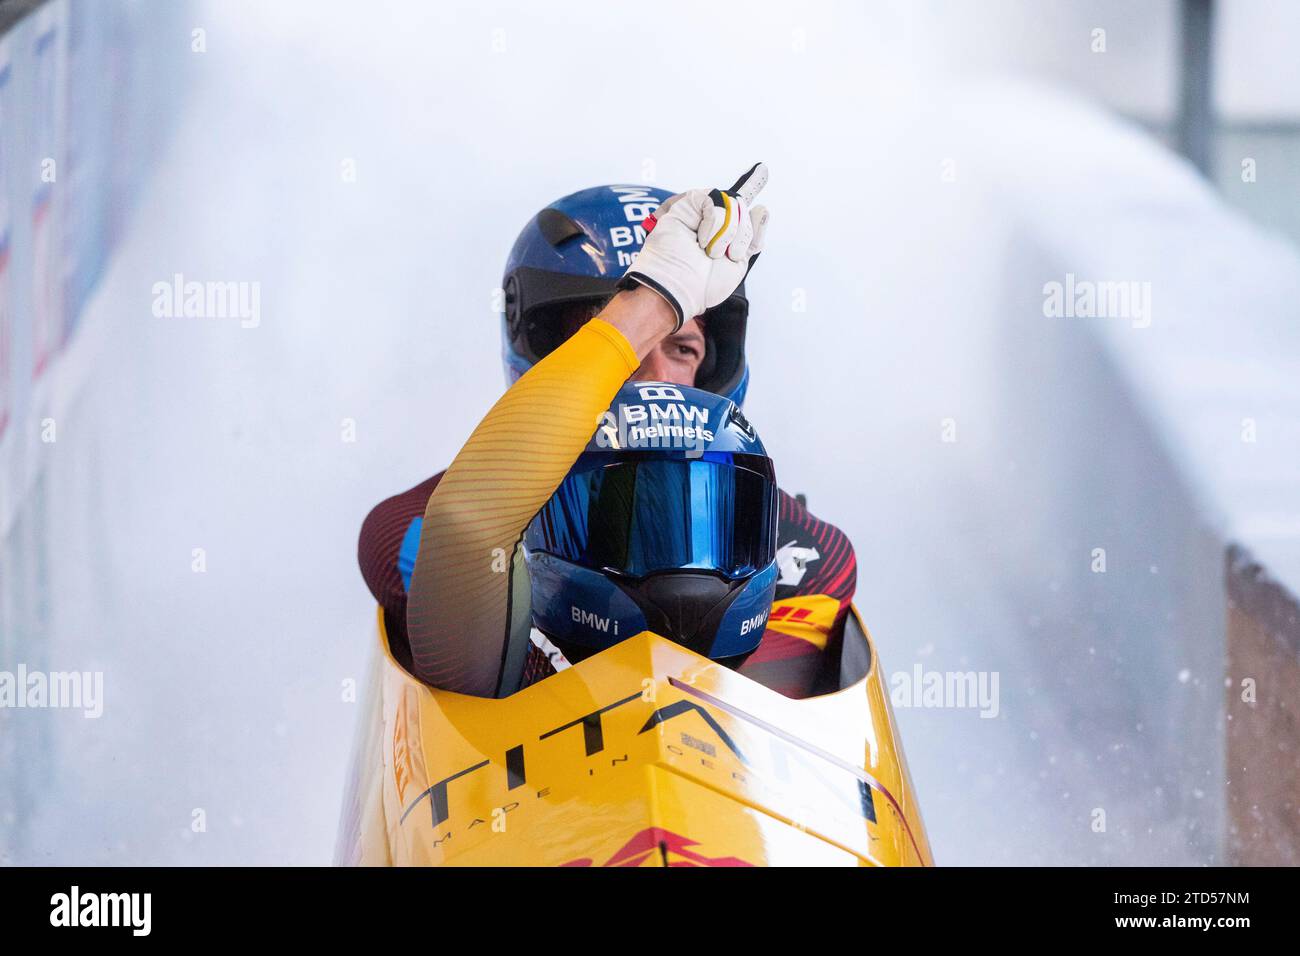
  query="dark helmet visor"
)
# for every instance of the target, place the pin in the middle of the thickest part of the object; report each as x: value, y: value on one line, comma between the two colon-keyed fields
x: 647, y: 512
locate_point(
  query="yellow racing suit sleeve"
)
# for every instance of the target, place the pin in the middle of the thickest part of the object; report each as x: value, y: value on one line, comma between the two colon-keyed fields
x: 458, y: 612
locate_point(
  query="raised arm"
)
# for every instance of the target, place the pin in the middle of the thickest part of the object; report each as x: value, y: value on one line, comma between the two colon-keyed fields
x: 458, y: 615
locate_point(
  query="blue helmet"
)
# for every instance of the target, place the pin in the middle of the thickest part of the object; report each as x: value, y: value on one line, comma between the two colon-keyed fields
x: 571, y: 255
x: 667, y: 522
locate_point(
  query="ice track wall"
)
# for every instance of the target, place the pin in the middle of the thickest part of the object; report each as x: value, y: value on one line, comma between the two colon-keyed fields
x: 1152, y: 460
x: 88, y: 94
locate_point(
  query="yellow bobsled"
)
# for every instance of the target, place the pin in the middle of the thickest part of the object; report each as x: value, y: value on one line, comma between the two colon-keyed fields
x: 645, y: 754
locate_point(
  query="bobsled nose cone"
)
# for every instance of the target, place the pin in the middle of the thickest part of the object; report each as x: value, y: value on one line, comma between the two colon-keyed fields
x: 684, y: 606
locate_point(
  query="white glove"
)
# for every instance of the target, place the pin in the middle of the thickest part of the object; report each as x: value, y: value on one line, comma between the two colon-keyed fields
x: 701, y: 245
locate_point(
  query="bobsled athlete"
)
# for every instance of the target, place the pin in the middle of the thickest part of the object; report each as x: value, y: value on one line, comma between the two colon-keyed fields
x: 594, y: 298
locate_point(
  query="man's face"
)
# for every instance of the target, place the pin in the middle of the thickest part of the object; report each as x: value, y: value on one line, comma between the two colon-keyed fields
x: 676, y: 359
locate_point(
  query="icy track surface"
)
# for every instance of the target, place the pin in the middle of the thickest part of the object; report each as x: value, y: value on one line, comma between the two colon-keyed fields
x: 224, y: 689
